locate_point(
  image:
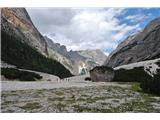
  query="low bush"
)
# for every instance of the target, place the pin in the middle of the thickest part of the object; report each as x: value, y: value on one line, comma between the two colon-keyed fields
x: 151, y: 86
x: 87, y: 79
x: 10, y: 73
x: 13, y: 73
x: 27, y: 77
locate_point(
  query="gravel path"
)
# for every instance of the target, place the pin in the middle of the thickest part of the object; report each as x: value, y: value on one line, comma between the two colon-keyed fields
x: 17, y: 85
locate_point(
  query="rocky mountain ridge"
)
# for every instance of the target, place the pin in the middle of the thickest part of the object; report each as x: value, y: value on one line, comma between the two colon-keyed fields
x: 144, y: 45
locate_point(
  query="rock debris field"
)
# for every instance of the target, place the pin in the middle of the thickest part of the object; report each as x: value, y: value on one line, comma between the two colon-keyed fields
x: 76, y: 96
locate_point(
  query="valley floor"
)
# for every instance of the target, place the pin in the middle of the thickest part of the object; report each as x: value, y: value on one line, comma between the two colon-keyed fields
x: 76, y: 96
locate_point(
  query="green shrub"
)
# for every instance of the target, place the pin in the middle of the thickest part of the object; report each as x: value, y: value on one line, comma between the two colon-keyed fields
x: 27, y: 77
x: 35, y: 75
x: 22, y: 55
x: 136, y: 74
x: 13, y: 73
x: 10, y: 73
x: 151, y: 86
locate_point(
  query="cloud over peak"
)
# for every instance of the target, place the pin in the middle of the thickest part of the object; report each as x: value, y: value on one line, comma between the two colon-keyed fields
x: 86, y: 28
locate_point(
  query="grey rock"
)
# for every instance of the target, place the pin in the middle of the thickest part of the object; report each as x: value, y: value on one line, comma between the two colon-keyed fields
x: 144, y: 45
x: 102, y: 73
x: 17, y: 21
x: 61, y: 49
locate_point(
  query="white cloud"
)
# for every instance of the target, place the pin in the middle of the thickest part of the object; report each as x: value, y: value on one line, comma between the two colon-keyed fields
x: 95, y: 28
x: 123, y: 32
x: 138, y: 17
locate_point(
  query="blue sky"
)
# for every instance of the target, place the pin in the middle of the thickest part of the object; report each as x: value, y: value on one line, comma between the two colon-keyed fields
x: 91, y: 28
x: 150, y: 13
x: 141, y: 16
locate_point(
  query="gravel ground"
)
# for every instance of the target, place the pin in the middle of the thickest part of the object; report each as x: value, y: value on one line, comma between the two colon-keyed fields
x: 79, y: 96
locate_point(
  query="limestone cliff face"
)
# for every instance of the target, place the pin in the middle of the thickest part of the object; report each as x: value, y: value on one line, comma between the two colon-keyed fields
x: 144, y: 45
x: 17, y: 21
x: 94, y: 55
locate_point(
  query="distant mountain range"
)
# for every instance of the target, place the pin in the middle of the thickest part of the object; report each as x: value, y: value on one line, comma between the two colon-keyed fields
x: 16, y: 24
x: 76, y: 61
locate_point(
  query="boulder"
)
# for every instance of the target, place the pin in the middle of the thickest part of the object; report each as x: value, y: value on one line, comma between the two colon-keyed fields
x: 146, y: 72
x: 102, y: 73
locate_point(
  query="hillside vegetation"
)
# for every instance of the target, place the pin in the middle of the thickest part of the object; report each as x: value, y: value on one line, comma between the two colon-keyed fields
x: 13, y: 73
x: 23, y: 56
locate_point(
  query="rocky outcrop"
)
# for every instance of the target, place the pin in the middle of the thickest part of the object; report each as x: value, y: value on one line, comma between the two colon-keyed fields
x: 102, y: 74
x: 144, y: 45
x: 16, y: 21
x: 146, y: 72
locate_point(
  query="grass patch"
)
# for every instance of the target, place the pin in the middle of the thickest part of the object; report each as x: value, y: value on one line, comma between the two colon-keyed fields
x: 136, y: 87
x: 79, y: 108
x: 59, y: 93
x: 31, y: 106
x: 88, y: 100
x: 91, y: 100
x: 56, y: 99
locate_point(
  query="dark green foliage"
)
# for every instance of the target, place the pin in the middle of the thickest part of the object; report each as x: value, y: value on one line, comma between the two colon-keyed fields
x: 136, y: 74
x: 27, y: 77
x: 12, y: 73
x: 152, y: 85
x: 148, y: 83
x: 87, y: 79
x: 23, y: 56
